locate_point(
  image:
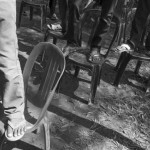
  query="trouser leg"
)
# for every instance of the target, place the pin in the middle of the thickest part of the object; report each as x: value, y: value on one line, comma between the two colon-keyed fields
x: 104, y: 23
x: 139, y: 22
x: 52, y: 6
x: 11, y: 80
x: 75, y: 8
x: 63, y: 8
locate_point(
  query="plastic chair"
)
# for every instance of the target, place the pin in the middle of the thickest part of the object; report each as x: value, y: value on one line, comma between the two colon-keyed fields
x: 51, y: 75
x: 42, y: 4
x: 78, y: 59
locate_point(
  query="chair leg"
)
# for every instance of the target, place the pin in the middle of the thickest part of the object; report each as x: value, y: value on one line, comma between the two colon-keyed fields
x: 77, y: 69
x: 100, y: 69
x: 138, y: 65
x: 122, y: 69
x: 94, y: 82
x: 42, y: 16
x: 46, y: 132
x: 121, y: 59
x: 113, y: 40
x: 54, y: 40
x: 20, y: 13
x: 31, y: 13
x: 46, y: 36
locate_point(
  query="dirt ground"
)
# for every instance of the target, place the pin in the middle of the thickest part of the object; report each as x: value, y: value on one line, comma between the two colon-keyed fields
x: 120, y: 119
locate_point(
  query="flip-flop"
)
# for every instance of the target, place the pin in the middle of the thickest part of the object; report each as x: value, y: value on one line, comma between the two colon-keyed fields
x: 15, y: 126
x: 94, y: 57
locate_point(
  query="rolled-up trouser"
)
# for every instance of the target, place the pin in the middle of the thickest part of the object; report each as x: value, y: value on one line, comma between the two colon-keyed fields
x: 11, y: 80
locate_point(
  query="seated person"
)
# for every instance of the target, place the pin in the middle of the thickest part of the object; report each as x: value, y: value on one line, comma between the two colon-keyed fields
x: 138, y: 25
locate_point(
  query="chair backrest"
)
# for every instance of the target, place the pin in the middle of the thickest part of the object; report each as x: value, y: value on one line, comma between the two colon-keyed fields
x: 55, y: 66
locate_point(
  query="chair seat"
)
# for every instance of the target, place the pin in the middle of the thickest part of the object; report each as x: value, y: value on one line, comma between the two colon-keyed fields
x: 141, y: 56
x: 80, y: 59
x: 56, y: 34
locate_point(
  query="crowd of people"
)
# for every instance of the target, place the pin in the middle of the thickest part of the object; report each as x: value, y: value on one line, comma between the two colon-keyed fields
x: 11, y: 84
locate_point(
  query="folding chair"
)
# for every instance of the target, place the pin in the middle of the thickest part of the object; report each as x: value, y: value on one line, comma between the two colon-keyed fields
x: 51, y: 74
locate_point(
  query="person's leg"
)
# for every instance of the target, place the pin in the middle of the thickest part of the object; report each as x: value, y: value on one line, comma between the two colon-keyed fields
x: 72, y: 34
x: 73, y: 19
x: 138, y: 25
x: 11, y: 80
x: 52, y: 7
x: 102, y: 28
x: 63, y: 8
x: 139, y: 21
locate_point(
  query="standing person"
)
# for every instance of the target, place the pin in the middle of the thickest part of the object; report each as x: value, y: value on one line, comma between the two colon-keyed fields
x: 138, y: 25
x: 75, y: 9
x: 11, y: 79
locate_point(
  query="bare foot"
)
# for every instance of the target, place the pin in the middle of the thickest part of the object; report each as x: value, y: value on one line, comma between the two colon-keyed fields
x: 15, y: 129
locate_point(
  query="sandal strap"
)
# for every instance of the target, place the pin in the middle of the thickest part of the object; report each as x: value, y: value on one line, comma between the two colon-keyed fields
x: 17, y: 124
x: 126, y: 46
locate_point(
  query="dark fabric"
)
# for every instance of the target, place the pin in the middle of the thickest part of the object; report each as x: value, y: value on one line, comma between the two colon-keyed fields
x: 147, y: 42
x: 104, y: 23
x: 70, y: 11
x: 63, y: 9
x: 52, y: 6
x: 139, y: 22
x: 75, y: 8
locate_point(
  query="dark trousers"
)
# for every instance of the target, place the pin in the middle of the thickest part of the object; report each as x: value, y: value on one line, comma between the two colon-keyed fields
x: 52, y: 6
x: 70, y: 11
x: 75, y: 8
x: 104, y: 23
x: 139, y: 22
x: 63, y: 9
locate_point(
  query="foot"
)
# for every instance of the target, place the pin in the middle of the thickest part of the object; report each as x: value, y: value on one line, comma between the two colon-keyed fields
x: 70, y: 48
x: 94, y: 56
x: 53, y: 17
x: 16, y: 128
x: 124, y: 48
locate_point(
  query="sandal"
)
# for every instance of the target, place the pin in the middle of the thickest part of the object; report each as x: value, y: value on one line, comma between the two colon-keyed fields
x: 15, y: 126
x: 94, y: 57
x: 55, y: 27
x: 123, y: 48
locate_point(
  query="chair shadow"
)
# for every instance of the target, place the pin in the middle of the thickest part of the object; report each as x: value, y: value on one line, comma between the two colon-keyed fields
x: 100, y: 129
x: 19, y: 145
x: 69, y: 85
x: 108, y: 76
